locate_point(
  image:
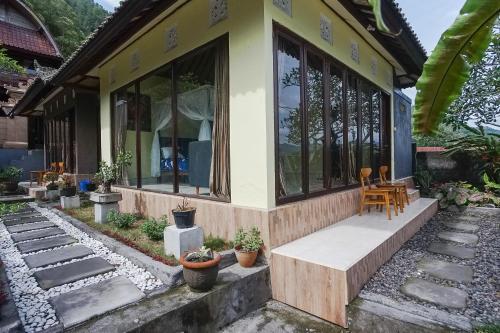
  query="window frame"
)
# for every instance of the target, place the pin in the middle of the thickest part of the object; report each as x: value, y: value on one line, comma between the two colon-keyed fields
x: 328, y: 62
x: 217, y: 42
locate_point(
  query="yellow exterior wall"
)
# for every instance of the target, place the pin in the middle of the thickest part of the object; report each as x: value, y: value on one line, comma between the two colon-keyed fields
x: 249, y: 25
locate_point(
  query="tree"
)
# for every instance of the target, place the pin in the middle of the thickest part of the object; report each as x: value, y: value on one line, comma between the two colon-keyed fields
x: 479, y: 101
x: 9, y: 64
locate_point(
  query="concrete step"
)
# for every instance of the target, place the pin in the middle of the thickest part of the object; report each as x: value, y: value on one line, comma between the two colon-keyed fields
x: 45, y: 243
x: 423, y: 290
x: 41, y: 233
x: 459, y: 237
x: 57, y: 276
x: 29, y: 226
x: 57, y: 256
x: 413, y: 194
x: 461, y: 226
x: 446, y: 270
x: 22, y: 216
x: 31, y: 219
x: 461, y: 252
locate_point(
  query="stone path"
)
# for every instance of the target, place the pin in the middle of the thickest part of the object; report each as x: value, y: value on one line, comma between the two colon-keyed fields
x: 458, y: 243
x: 58, y: 259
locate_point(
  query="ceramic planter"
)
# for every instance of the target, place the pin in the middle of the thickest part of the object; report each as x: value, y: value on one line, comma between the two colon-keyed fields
x: 68, y: 191
x: 184, y: 219
x: 246, y: 259
x: 200, y: 276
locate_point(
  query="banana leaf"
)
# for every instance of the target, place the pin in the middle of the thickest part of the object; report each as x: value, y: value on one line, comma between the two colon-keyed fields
x: 448, y: 67
x: 377, y: 12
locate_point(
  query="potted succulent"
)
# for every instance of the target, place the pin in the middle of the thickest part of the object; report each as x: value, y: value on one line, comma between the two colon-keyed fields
x: 67, y: 187
x: 200, y: 268
x: 184, y: 215
x: 247, y: 245
x: 10, y: 177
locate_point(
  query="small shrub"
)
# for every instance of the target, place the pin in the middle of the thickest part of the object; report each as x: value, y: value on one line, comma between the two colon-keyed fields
x: 121, y: 220
x: 215, y: 243
x: 154, y: 228
x: 11, y: 208
x: 11, y: 173
x: 248, y: 241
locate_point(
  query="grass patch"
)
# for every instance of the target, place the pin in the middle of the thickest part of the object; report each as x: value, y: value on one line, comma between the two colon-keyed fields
x: 488, y: 329
x: 135, y: 237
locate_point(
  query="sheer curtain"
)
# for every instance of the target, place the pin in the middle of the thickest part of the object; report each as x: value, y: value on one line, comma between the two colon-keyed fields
x: 162, y: 113
x: 220, y: 185
x: 120, y: 132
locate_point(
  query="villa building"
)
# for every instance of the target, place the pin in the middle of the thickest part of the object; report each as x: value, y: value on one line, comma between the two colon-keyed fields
x: 261, y: 112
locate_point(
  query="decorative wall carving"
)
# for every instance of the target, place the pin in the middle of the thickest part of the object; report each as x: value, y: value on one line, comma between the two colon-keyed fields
x: 284, y: 5
x: 373, y: 66
x: 170, y: 38
x: 135, y: 60
x: 112, y: 75
x: 355, y: 51
x: 217, y: 11
x: 325, y: 28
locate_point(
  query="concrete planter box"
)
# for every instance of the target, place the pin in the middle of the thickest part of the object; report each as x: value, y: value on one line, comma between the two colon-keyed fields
x: 104, y: 198
x: 70, y: 202
x: 104, y: 203
x: 51, y: 195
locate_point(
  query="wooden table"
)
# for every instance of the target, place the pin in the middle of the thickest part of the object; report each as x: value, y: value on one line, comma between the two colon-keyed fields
x: 38, y: 174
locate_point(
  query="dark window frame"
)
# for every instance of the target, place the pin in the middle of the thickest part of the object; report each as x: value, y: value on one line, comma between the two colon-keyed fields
x: 222, y: 41
x: 384, y: 118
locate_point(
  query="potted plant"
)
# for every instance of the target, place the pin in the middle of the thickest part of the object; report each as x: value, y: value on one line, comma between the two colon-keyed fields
x: 92, y: 186
x: 184, y: 215
x: 67, y: 187
x: 10, y: 177
x: 52, y: 187
x: 109, y: 174
x: 247, y: 245
x: 200, y: 268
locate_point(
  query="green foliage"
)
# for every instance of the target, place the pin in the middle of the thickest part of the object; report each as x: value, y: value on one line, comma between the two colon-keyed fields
x: 448, y: 68
x: 490, y: 184
x: 69, y: 21
x: 377, y: 12
x: 201, y: 255
x: 9, y: 64
x: 11, y: 173
x: 488, y: 329
x: 248, y: 241
x: 217, y: 243
x: 154, y: 228
x: 121, y: 220
x: 462, y: 194
x: 424, y: 180
x: 11, y: 208
x: 480, y: 146
x: 110, y: 173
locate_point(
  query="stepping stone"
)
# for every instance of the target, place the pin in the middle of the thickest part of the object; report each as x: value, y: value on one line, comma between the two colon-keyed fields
x: 452, y: 250
x: 42, y: 233
x: 80, y: 305
x: 468, y: 218
x: 20, y: 216
x: 57, y: 276
x: 27, y: 220
x: 462, y: 226
x: 44, y: 244
x: 459, y: 237
x: 55, y: 256
x: 434, y: 293
x: 29, y: 226
x: 446, y: 270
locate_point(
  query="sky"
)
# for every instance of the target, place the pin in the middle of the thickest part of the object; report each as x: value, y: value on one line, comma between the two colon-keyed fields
x: 429, y: 19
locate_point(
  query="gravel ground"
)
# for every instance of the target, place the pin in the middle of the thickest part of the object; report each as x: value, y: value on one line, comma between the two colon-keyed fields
x: 484, y: 295
x: 34, y: 309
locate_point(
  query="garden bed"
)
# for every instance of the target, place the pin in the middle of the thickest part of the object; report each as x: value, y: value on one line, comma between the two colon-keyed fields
x: 134, y: 237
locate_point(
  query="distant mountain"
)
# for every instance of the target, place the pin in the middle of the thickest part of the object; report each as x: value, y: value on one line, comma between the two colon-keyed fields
x: 491, y: 130
x: 69, y: 21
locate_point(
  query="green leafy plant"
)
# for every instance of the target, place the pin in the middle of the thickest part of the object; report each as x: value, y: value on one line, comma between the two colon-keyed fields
x: 248, y: 241
x: 154, y: 228
x: 424, y: 180
x: 217, y: 243
x: 51, y: 178
x: 448, y: 68
x: 11, y: 208
x: 11, y: 174
x: 201, y: 255
x: 121, y: 220
x: 9, y: 64
x: 462, y: 194
x: 111, y: 173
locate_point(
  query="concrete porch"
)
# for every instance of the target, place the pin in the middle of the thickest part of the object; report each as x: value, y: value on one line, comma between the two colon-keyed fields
x: 322, y: 272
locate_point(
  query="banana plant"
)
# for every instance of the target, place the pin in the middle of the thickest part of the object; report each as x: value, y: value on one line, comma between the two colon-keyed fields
x: 448, y: 68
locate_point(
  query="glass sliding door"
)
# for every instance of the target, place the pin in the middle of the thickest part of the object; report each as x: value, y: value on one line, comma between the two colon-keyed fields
x: 337, y: 175
x: 289, y: 118
x: 366, y: 129
x: 352, y: 130
x: 315, y: 121
x: 376, y: 133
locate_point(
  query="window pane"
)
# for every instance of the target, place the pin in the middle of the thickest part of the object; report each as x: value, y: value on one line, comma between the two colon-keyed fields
x: 157, y: 131
x: 195, y: 106
x: 337, y: 128
x: 376, y: 132
x: 365, y: 128
x: 124, y: 131
x: 316, y: 123
x: 289, y: 118
x: 352, y: 130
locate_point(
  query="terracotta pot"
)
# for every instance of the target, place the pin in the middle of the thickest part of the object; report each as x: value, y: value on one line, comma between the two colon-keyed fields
x: 246, y: 259
x: 200, y: 276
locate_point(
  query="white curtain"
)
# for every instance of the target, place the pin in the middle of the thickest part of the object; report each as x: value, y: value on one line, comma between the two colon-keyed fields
x: 196, y: 104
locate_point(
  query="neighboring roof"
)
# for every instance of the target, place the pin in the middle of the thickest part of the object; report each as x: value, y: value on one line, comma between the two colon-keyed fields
x: 21, y: 38
x: 430, y: 149
x: 404, y: 46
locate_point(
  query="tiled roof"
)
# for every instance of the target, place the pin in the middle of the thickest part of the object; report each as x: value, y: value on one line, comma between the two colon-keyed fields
x: 26, y: 39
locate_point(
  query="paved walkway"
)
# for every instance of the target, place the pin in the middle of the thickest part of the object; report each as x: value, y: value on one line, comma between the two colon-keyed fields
x: 55, y: 259
x: 459, y: 242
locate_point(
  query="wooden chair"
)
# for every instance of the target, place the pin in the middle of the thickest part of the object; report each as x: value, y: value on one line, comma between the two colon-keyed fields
x: 400, y: 187
x: 376, y: 196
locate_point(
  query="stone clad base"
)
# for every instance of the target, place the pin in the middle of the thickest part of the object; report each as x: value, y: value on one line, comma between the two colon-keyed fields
x: 70, y: 202
x: 101, y: 211
x: 178, y: 241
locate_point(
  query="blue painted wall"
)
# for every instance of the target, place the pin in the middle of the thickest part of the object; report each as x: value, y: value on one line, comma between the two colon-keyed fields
x: 28, y: 160
x: 402, y: 135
